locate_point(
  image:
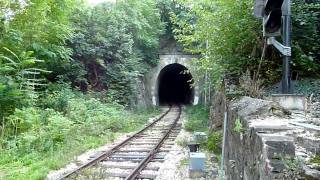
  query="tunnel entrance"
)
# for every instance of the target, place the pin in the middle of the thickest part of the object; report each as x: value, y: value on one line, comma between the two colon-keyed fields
x: 175, y: 85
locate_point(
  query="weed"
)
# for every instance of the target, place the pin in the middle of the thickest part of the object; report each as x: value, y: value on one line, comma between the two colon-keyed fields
x: 238, y: 128
x: 214, y: 142
x: 293, y: 167
x: 251, y: 86
x: 197, y: 118
x: 315, y: 160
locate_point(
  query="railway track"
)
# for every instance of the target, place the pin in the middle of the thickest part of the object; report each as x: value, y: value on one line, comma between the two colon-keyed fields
x: 137, y: 157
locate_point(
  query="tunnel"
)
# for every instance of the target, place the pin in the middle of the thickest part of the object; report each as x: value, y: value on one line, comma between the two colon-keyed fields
x: 175, y: 85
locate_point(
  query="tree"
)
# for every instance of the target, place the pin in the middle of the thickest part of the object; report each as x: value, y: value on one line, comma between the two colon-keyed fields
x: 229, y: 31
x: 115, y: 44
x: 234, y: 40
x: 42, y: 27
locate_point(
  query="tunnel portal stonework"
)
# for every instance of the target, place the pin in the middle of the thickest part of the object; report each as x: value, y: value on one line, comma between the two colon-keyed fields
x: 152, y: 78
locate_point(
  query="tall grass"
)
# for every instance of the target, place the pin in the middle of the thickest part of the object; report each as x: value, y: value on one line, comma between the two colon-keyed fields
x: 64, y: 124
x: 197, y: 118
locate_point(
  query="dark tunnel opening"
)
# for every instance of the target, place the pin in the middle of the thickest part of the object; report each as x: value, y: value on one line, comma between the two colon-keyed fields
x: 175, y: 85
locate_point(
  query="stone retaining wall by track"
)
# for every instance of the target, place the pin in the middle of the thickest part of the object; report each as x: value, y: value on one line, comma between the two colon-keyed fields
x: 261, y: 141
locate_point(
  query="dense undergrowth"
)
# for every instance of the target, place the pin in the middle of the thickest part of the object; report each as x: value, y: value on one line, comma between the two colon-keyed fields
x: 100, y: 50
x: 37, y: 139
x: 68, y: 77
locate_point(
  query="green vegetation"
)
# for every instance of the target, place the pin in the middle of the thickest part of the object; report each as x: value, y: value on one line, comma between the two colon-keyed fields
x: 108, y: 47
x: 307, y: 86
x: 197, y: 118
x: 230, y: 39
x: 113, y: 46
x: 238, y: 127
x: 36, y: 140
x: 293, y: 167
x: 306, y: 34
x: 215, y: 143
x: 315, y: 160
x: 197, y: 121
x: 184, y: 162
x: 69, y: 71
x: 68, y: 74
x: 182, y: 142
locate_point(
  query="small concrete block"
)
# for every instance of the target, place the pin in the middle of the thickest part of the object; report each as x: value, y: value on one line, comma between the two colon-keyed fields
x: 290, y: 101
x: 197, y: 161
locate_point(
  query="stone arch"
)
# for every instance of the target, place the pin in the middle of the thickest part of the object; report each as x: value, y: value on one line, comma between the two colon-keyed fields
x: 165, y: 60
x: 175, y: 85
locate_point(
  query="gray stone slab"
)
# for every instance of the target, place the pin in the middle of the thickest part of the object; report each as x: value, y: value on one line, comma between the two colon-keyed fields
x: 307, y: 126
x: 291, y: 101
x: 271, y: 128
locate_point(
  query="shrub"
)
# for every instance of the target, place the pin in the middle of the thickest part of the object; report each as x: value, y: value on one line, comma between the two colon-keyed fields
x: 215, y: 142
x: 23, y: 120
x: 37, y: 130
x: 58, y: 127
x: 57, y: 97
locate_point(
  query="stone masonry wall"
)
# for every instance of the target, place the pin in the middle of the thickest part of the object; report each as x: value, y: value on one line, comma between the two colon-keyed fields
x: 260, y: 139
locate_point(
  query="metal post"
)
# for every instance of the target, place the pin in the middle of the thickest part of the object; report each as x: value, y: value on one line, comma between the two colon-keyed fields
x: 286, y: 79
x: 224, y: 137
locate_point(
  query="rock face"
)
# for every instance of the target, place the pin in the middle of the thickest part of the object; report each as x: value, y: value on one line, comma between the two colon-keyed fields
x: 141, y: 96
x: 217, y: 111
x: 261, y: 141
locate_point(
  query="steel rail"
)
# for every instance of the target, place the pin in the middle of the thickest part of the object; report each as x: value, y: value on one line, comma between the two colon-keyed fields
x: 111, y: 151
x: 135, y: 173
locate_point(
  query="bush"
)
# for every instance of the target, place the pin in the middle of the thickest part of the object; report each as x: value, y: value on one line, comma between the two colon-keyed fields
x: 10, y: 96
x: 58, y: 128
x: 36, y: 130
x: 23, y: 119
x: 56, y: 97
x: 215, y: 142
x: 37, y: 137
